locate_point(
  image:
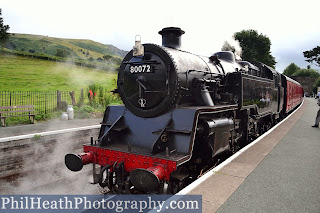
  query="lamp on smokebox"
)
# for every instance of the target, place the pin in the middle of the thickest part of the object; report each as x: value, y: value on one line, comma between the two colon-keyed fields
x: 138, y: 49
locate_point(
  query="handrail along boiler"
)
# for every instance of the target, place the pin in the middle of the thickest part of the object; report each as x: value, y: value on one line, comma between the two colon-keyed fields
x: 182, y: 113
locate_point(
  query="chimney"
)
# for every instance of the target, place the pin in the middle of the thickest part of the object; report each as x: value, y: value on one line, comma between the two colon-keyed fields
x: 171, y: 37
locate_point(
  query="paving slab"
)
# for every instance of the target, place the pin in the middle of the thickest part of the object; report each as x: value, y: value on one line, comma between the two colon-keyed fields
x: 220, y: 183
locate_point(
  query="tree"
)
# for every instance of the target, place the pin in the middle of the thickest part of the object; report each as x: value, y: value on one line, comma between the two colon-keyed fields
x: 63, y: 53
x: 107, y: 57
x: 313, y: 56
x: 4, y: 36
x: 291, y: 69
x: 307, y: 73
x: 255, y: 47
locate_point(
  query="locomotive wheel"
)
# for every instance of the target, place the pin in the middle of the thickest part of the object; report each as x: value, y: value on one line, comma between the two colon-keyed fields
x: 175, y: 186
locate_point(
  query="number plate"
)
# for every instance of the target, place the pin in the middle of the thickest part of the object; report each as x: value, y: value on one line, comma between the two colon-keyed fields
x: 145, y: 68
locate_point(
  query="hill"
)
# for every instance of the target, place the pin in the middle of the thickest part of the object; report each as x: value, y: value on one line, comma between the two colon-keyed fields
x: 78, y: 48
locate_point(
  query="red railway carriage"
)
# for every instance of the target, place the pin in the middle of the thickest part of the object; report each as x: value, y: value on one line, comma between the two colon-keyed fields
x: 293, y: 94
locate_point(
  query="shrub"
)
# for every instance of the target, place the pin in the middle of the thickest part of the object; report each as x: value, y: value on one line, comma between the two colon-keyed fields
x: 99, y: 97
x: 316, y: 85
x: 92, y: 91
x: 111, y: 99
x: 42, y: 117
x: 17, y: 120
x: 83, y: 112
x: 37, y: 137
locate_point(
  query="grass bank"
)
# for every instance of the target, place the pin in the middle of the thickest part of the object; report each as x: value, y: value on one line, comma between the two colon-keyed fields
x: 19, y: 73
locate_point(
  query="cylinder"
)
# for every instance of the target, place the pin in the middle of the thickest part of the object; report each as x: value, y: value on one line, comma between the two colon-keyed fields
x: 210, y: 126
x: 64, y: 116
x: 70, y: 112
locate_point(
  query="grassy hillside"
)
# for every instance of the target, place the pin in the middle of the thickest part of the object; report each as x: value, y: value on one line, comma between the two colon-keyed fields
x: 79, y: 48
x: 19, y: 73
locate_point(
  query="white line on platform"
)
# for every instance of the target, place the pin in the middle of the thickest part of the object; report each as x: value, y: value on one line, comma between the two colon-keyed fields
x: 197, y: 182
x: 20, y: 137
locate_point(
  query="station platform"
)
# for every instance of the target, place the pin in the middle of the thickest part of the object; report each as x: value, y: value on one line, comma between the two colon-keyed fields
x: 279, y: 173
x: 54, y: 125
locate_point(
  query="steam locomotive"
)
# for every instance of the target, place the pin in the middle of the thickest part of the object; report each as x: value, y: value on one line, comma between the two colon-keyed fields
x: 182, y: 114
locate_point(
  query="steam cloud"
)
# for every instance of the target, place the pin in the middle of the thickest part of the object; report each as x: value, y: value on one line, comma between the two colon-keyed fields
x: 48, y: 173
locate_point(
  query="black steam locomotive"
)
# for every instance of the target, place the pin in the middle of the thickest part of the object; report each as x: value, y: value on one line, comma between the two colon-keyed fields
x: 182, y: 113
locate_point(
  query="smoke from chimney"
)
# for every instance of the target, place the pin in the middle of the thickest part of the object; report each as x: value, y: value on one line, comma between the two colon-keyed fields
x: 233, y: 46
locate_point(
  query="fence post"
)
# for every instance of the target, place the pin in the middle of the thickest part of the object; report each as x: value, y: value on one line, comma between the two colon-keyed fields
x: 82, y: 98
x: 45, y: 105
x: 73, y: 99
x: 59, y: 99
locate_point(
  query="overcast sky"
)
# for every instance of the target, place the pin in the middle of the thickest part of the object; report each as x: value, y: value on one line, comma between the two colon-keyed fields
x: 292, y: 26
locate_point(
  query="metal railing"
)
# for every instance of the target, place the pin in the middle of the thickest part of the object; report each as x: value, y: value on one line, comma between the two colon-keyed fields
x: 43, y: 101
